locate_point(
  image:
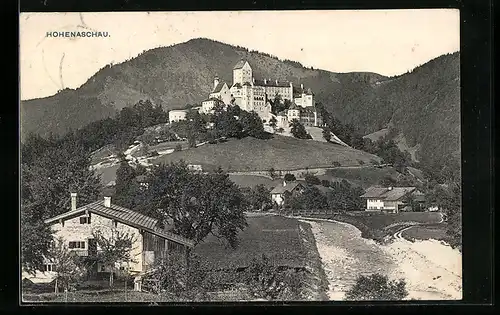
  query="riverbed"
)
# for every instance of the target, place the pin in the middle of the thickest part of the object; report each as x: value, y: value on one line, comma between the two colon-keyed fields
x: 432, y: 270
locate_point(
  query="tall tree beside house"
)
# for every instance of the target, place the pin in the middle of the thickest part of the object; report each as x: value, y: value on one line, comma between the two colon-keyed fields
x: 68, y: 271
x: 345, y: 197
x: 313, y: 198
x: 48, y: 175
x: 312, y: 179
x: 198, y: 204
x: 289, y: 177
x: 273, y: 123
x: 126, y: 188
x: 259, y: 198
x: 298, y: 130
x: 113, y: 249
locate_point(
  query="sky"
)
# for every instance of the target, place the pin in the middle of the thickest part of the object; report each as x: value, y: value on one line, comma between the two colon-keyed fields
x: 388, y: 42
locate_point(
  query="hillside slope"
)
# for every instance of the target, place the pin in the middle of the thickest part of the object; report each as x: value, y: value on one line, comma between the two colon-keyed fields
x: 280, y: 153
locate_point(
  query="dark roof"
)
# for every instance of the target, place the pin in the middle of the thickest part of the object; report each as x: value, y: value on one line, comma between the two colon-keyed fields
x: 393, y: 194
x: 239, y: 64
x: 289, y: 187
x: 237, y: 85
x: 212, y: 99
x: 272, y: 83
x: 219, y: 87
x: 247, y: 84
x: 125, y: 216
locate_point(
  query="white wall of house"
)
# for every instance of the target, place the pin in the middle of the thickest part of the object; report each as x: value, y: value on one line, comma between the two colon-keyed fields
x: 73, y: 230
x: 176, y: 115
x: 374, y: 204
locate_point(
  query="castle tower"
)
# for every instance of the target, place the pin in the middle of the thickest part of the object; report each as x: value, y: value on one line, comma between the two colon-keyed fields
x: 216, y: 82
x: 242, y: 72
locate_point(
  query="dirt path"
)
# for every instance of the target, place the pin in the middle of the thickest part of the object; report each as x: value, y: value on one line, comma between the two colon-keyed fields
x: 432, y: 270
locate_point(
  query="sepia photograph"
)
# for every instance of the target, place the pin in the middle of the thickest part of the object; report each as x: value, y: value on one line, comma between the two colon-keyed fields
x: 240, y: 156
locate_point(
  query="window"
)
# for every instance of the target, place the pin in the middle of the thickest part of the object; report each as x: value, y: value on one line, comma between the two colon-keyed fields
x: 76, y: 245
x: 85, y: 220
x: 49, y: 267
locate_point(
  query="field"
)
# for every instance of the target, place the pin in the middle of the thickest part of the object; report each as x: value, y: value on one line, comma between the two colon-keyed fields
x: 276, y: 237
x: 105, y: 296
x: 425, y: 232
x: 279, y: 152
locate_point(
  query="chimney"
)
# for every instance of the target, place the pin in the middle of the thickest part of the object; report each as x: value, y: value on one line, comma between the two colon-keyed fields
x: 265, y: 81
x: 276, y: 82
x: 284, y: 183
x: 253, y: 80
x: 216, y: 81
x: 301, y: 86
x: 291, y: 84
x: 73, y: 201
x: 107, y: 202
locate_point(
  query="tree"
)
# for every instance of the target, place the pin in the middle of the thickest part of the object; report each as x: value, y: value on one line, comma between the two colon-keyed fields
x: 313, y: 198
x: 113, y: 248
x: 64, y: 262
x: 273, y: 122
x: 298, y: 130
x: 126, y: 187
x: 266, y: 281
x: 290, y: 177
x: 312, y: 179
x: 327, y: 134
x: 272, y: 173
x: 178, y: 148
x: 197, y: 203
x: 259, y: 198
x: 251, y: 124
x: 377, y: 287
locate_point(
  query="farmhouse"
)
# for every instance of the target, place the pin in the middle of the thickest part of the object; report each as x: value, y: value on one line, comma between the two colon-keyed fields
x: 284, y: 190
x: 391, y: 199
x: 150, y: 242
x: 177, y: 115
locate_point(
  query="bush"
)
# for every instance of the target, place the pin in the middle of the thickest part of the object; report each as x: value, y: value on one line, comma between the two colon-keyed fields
x: 178, y: 148
x: 336, y: 164
x: 290, y: 177
x: 377, y: 287
x: 361, y: 162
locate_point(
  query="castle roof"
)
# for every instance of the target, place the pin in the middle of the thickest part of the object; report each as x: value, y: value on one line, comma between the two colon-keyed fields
x: 247, y: 84
x: 237, y: 85
x: 239, y: 64
x: 272, y: 83
x: 219, y: 87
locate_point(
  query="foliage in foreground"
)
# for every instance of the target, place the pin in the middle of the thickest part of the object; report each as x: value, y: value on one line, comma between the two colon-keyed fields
x: 377, y: 287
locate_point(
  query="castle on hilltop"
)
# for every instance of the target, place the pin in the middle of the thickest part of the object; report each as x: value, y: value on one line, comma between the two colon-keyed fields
x: 255, y: 95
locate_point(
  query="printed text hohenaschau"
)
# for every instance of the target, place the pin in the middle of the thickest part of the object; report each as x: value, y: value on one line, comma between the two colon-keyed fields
x: 77, y: 34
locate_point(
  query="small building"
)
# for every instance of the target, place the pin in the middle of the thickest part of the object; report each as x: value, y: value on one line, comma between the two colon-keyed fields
x: 177, y: 115
x: 208, y: 105
x: 284, y: 190
x: 150, y: 242
x: 391, y: 199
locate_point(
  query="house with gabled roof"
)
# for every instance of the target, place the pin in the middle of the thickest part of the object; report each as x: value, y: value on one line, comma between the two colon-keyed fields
x: 151, y: 239
x: 391, y: 199
x: 284, y: 190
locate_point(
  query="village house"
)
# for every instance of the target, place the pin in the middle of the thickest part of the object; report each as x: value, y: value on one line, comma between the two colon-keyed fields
x: 177, y: 115
x: 150, y: 241
x: 391, y: 199
x: 284, y: 190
